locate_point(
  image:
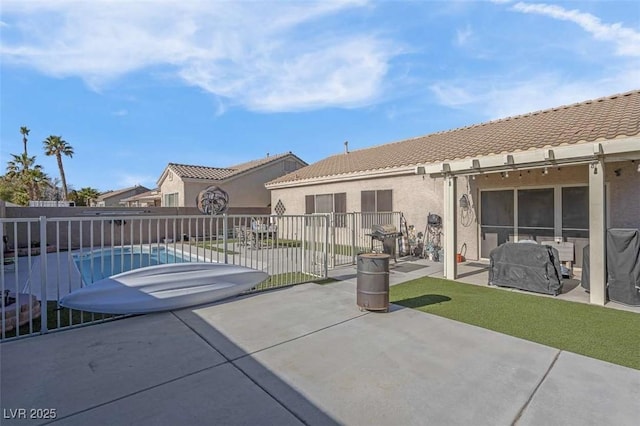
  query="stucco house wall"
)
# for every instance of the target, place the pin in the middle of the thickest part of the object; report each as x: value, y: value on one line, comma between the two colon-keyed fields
x: 173, y: 184
x: 414, y: 195
x: 113, y: 199
x: 245, y: 188
x: 418, y: 195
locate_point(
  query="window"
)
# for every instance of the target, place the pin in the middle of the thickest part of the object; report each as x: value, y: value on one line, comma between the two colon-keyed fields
x: 372, y: 203
x: 324, y: 203
x: 575, y: 219
x: 536, y: 214
x: 328, y: 203
x: 171, y: 200
x: 376, y: 201
x: 497, y: 219
x: 575, y: 208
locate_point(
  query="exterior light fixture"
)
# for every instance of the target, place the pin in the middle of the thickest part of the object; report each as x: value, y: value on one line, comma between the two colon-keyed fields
x: 545, y: 171
x: 506, y: 174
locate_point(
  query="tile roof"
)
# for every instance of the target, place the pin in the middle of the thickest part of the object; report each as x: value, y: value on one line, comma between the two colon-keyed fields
x: 218, y: 173
x: 604, y: 118
x: 109, y: 194
x: 153, y: 194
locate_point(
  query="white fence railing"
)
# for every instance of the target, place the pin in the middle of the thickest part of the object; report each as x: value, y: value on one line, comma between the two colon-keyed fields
x: 46, y: 258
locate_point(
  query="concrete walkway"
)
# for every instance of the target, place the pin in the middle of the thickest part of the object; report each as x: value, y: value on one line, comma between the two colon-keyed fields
x: 306, y: 355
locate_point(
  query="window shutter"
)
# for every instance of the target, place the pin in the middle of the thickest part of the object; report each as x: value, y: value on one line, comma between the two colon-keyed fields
x: 309, y: 201
x: 340, y: 202
x: 384, y: 202
x: 368, y: 201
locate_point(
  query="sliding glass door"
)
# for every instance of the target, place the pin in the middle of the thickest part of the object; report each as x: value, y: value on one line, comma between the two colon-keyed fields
x: 539, y: 214
x: 497, y: 219
x: 535, y: 214
x: 575, y: 219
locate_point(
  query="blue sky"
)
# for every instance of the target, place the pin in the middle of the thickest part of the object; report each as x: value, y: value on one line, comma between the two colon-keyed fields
x: 134, y: 85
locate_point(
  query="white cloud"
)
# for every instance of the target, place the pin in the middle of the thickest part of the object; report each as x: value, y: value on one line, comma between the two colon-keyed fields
x: 506, y: 99
x: 279, y: 56
x: 126, y: 180
x: 626, y: 40
x: 120, y: 113
x: 540, y: 84
x: 463, y: 35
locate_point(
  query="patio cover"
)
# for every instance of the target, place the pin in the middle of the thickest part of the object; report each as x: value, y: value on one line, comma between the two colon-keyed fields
x: 531, y: 267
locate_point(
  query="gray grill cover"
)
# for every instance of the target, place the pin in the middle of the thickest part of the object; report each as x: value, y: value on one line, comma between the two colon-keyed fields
x: 531, y: 267
x: 623, y: 266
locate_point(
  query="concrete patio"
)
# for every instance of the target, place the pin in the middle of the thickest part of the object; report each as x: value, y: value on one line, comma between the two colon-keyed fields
x: 307, y: 355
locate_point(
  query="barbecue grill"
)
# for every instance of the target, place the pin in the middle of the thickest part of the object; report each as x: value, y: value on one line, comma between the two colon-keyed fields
x: 387, y: 234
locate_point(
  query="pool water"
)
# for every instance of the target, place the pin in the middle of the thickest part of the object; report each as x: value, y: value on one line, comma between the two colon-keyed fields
x: 98, y: 264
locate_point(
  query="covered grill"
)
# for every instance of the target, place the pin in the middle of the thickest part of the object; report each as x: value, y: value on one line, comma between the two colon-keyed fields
x: 387, y: 234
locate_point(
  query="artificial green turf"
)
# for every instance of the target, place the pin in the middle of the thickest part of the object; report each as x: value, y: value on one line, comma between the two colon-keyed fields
x: 594, y: 331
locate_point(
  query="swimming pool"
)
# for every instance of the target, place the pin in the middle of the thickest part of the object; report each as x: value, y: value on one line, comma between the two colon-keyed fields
x: 103, y: 263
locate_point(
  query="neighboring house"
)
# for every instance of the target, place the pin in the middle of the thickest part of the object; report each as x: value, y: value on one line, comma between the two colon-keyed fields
x: 565, y: 173
x: 151, y: 198
x: 116, y: 198
x: 181, y: 184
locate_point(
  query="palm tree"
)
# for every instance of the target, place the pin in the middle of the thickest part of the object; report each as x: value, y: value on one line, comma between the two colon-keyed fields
x: 23, y: 171
x: 24, y: 130
x: 55, y: 145
x: 86, y: 195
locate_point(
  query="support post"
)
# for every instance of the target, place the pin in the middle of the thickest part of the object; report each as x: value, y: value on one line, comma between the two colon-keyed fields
x: 450, y: 228
x: 597, y: 234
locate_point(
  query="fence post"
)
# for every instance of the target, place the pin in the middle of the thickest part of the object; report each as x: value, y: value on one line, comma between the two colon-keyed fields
x: 332, y: 223
x: 353, y: 238
x: 43, y: 275
x: 225, y: 229
x: 304, y: 244
x: 326, y: 238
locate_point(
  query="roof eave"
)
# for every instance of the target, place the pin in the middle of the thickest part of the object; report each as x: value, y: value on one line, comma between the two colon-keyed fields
x: 609, y: 149
x: 366, y: 174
